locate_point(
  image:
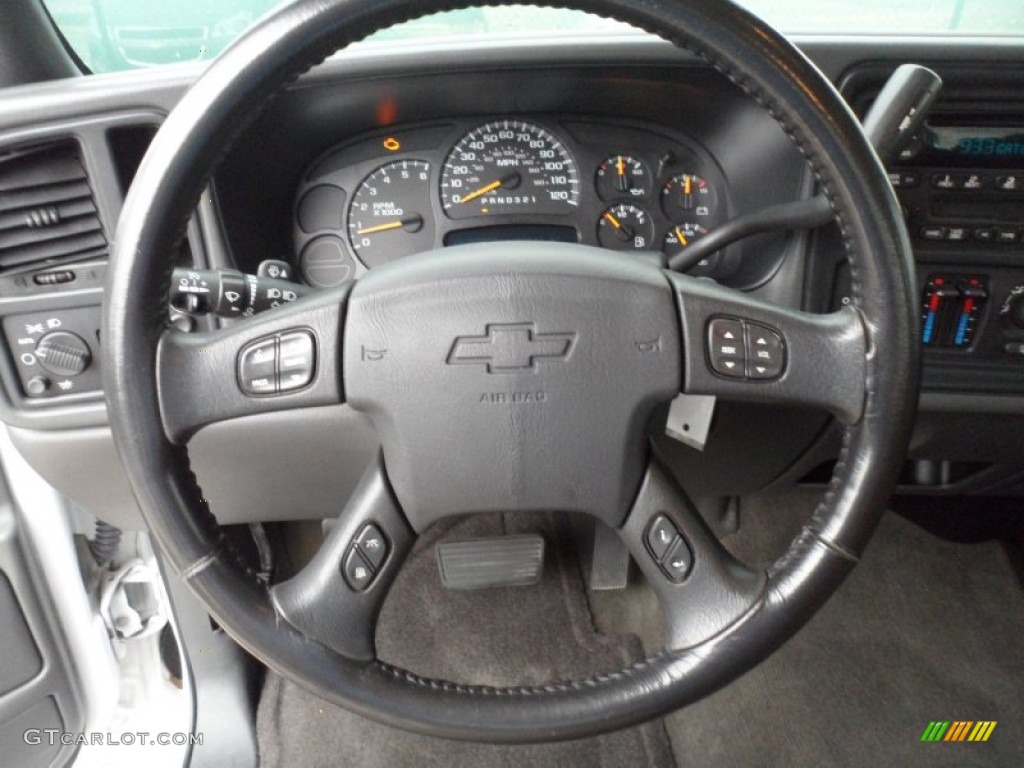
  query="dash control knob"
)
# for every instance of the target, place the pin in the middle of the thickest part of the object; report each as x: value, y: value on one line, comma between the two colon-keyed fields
x: 63, y: 353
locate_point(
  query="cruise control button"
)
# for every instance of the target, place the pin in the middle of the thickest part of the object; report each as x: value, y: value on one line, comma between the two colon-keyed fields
x: 358, y: 572
x: 372, y: 545
x: 257, y: 365
x: 660, y: 537
x: 725, y: 347
x: 678, y: 562
x: 297, y: 360
x: 766, y: 352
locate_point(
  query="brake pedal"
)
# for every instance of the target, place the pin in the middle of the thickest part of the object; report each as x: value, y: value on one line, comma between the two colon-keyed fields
x: 505, y: 561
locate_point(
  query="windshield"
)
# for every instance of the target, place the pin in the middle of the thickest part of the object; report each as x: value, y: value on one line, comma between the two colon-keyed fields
x: 112, y: 35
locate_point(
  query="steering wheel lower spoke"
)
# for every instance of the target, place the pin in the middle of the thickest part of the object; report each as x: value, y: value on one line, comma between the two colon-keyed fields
x: 282, y: 359
x: 741, y: 348
x: 702, y: 588
x: 336, y: 598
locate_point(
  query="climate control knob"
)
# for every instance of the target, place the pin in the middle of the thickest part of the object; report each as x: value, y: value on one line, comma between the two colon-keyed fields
x: 62, y: 353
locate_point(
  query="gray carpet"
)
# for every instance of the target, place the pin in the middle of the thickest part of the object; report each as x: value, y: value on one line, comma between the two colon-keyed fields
x: 524, y: 635
x: 924, y: 629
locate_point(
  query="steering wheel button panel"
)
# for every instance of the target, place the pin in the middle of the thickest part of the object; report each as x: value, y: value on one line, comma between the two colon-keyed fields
x: 257, y: 367
x: 372, y: 545
x: 661, y: 535
x: 297, y: 360
x: 358, y: 573
x: 765, y: 352
x: 726, y: 347
x: 743, y: 350
x: 676, y: 565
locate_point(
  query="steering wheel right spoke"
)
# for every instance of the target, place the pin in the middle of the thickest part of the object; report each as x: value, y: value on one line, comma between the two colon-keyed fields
x: 702, y: 588
x: 336, y: 598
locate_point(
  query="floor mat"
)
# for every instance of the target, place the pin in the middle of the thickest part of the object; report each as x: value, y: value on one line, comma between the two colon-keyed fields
x: 924, y: 629
x: 524, y: 635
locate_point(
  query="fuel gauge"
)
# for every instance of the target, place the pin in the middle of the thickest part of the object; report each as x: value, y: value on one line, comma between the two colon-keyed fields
x: 623, y: 176
x: 625, y: 227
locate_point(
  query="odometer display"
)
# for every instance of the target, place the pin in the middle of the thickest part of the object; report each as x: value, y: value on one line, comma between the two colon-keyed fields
x: 509, y: 167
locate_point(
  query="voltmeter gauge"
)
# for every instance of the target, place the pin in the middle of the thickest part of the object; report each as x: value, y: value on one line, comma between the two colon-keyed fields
x: 623, y: 176
x: 689, y: 197
x: 625, y: 227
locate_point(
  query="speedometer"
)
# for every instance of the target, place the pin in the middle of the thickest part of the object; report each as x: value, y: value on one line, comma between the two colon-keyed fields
x: 509, y: 167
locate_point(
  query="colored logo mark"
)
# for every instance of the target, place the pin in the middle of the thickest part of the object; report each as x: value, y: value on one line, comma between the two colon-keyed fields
x: 958, y: 730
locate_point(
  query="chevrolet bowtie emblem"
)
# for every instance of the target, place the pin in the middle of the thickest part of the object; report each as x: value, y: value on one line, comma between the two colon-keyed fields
x: 511, y: 348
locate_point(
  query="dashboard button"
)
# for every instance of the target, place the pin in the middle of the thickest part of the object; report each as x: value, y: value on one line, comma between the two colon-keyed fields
x: 944, y: 181
x: 257, y: 368
x: 933, y: 233
x: 958, y: 234
x: 973, y: 181
x: 985, y: 234
x: 1006, y: 236
x: 1010, y: 183
x: 297, y: 360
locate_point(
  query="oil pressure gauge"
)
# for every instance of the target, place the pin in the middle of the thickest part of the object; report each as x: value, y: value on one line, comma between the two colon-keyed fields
x: 623, y: 176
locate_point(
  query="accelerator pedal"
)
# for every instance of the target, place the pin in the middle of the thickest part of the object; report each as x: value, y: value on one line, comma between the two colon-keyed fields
x: 503, y: 561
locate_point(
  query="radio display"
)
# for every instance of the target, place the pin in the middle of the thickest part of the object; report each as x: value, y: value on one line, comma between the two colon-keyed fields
x: 992, y: 146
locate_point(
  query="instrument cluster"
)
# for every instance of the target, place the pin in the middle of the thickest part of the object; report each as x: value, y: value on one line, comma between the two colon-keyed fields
x: 617, y: 185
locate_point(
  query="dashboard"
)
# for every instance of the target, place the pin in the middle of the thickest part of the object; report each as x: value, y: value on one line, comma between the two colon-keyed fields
x: 625, y: 144
x: 414, y: 188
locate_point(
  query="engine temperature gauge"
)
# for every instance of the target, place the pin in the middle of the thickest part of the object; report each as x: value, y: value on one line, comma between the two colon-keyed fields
x: 623, y: 176
x: 625, y: 227
x: 687, y: 196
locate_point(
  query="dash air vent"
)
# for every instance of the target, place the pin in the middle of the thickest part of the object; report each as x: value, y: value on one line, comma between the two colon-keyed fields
x: 47, y: 212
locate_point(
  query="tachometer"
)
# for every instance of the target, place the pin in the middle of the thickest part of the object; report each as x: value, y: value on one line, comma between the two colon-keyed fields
x: 390, y: 213
x: 509, y: 167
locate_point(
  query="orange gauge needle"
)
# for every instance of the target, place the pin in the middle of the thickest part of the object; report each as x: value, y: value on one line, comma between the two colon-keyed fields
x: 380, y: 228
x: 623, y: 232
x: 511, y: 182
x: 688, y: 186
x: 620, y: 166
x: 682, y: 238
x: 411, y: 223
x: 482, y: 191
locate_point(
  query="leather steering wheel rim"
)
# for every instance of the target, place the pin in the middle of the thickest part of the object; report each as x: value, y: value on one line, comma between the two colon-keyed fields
x: 199, y: 132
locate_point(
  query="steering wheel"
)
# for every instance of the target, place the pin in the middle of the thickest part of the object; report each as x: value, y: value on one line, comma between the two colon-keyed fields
x: 514, y: 376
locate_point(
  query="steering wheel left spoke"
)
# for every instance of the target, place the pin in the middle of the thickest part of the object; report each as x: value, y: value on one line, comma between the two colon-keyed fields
x: 739, y: 347
x: 282, y: 359
x: 336, y: 598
